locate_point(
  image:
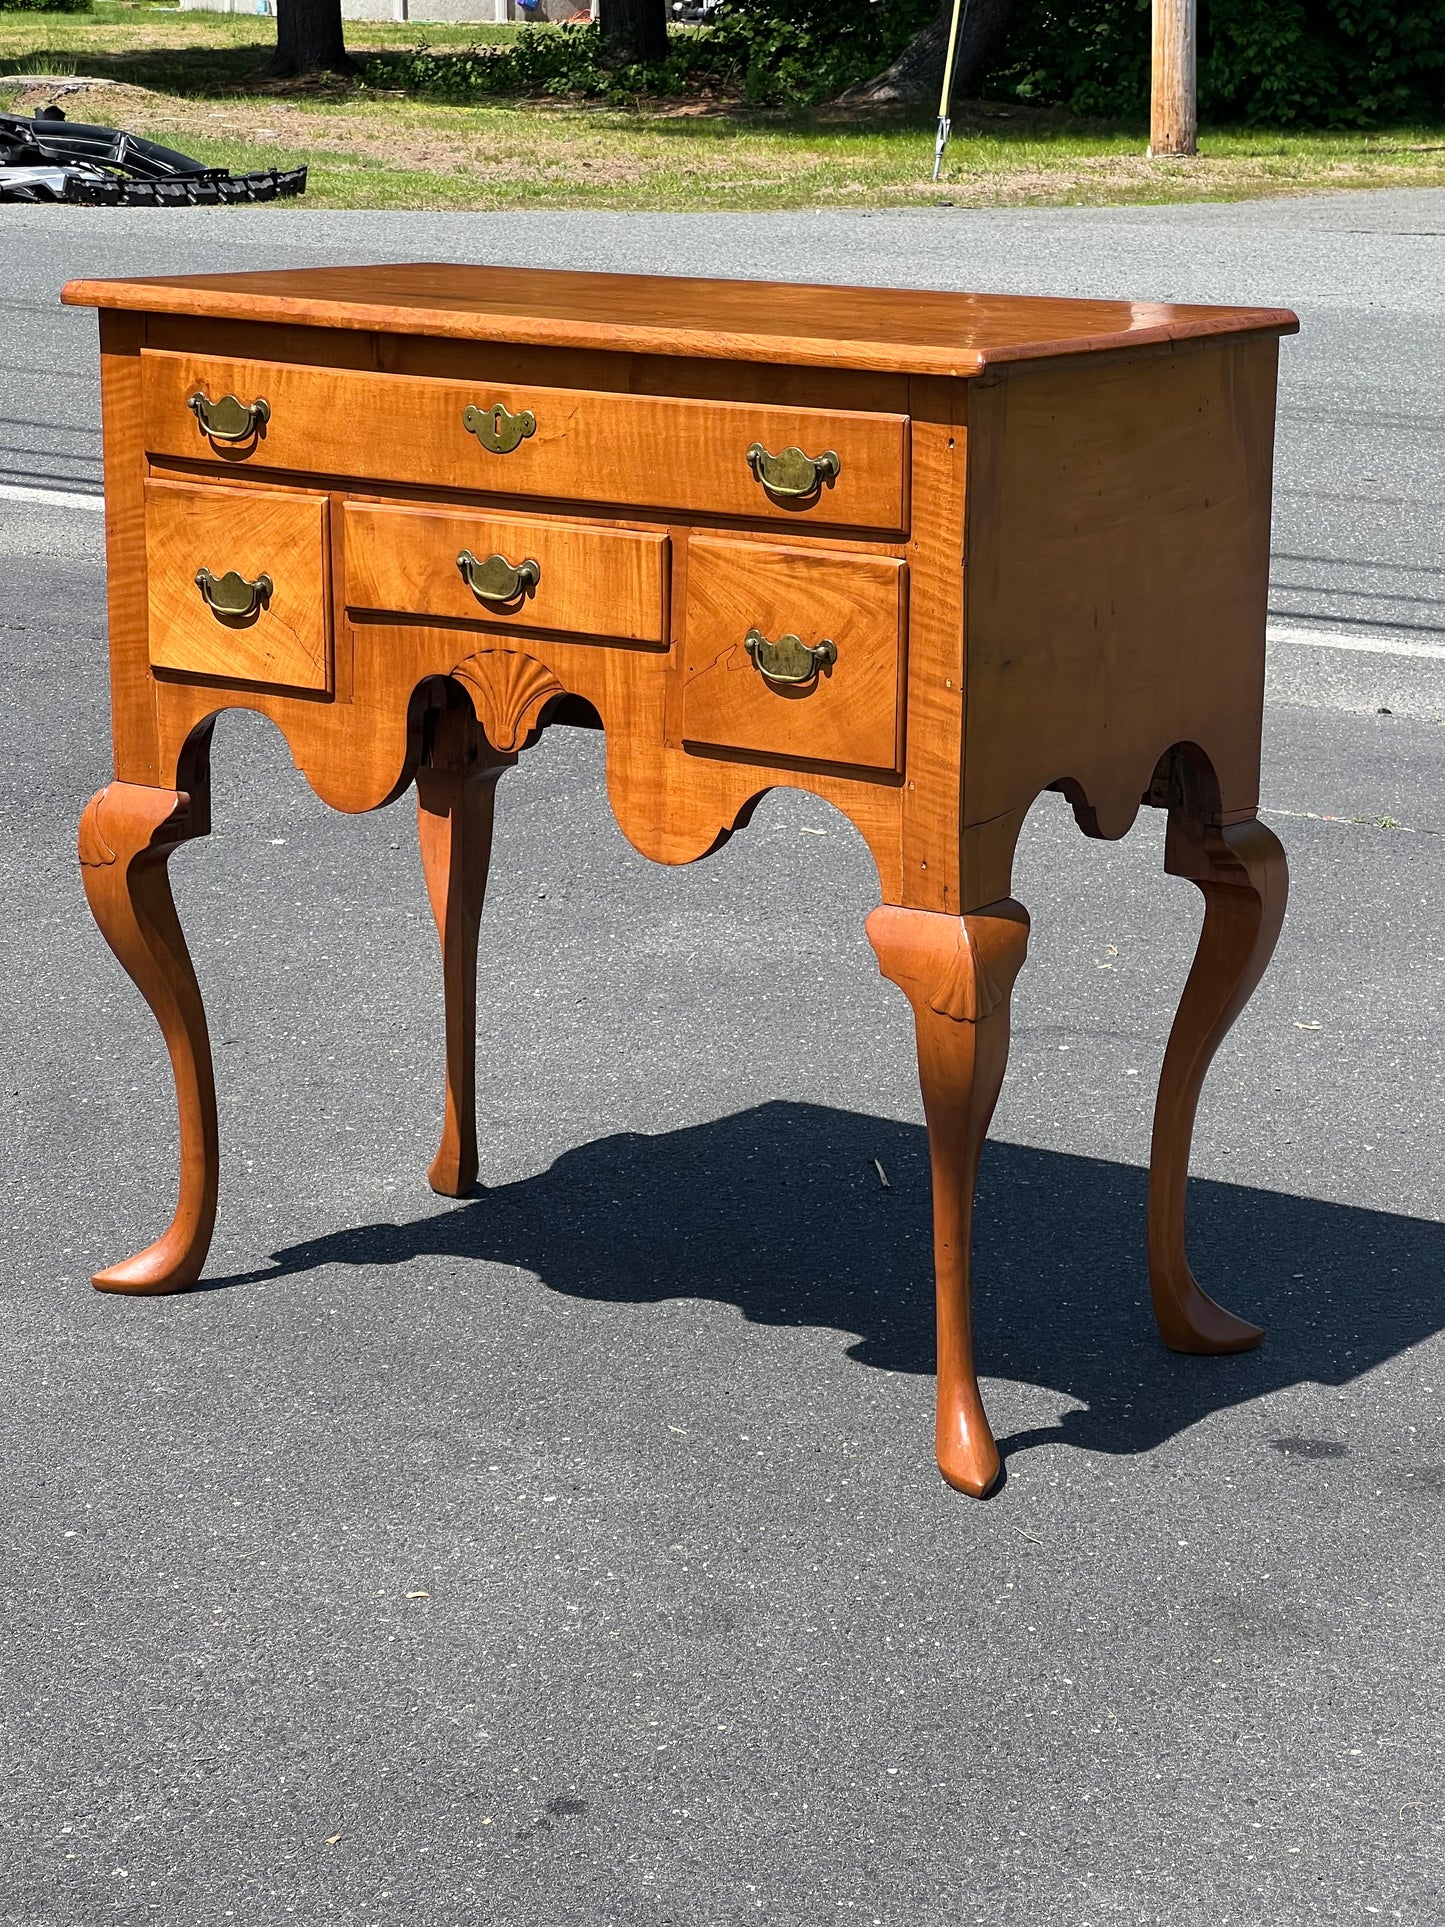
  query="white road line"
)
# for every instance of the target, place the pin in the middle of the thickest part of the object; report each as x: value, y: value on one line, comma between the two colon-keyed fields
x: 1370, y: 645
x: 55, y: 498
x: 1297, y: 636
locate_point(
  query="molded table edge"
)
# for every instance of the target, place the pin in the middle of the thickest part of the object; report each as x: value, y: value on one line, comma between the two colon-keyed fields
x: 875, y: 356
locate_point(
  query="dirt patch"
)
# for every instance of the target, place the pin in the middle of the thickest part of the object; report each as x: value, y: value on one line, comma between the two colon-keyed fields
x: 67, y: 92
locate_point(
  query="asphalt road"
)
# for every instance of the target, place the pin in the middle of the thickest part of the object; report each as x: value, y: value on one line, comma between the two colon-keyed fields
x: 573, y: 1555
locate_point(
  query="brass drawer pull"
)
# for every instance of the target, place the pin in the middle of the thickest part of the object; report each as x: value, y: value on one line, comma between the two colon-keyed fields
x: 230, y: 420
x: 793, y: 474
x: 231, y: 595
x: 789, y: 660
x: 497, y: 580
x: 498, y: 430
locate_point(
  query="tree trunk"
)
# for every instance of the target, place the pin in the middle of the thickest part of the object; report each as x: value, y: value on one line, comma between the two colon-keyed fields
x: 634, y: 31
x: 915, y: 78
x: 309, y: 40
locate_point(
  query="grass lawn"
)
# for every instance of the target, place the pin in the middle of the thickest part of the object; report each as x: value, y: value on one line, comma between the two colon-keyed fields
x: 191, y: 80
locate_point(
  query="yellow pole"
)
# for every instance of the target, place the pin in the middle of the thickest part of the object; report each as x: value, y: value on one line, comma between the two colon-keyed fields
x: 941, y: 141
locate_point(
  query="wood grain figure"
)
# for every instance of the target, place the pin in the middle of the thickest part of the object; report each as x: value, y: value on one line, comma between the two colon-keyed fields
x: 593, y: 582
x: 278, y: 539
x: 848, y: 712
x: 923, y: 555
x: 589, y: 446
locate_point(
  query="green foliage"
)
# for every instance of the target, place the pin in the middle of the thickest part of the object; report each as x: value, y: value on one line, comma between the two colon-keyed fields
x: 1331, y: 63
x: 1278, y: 63
x: 1091, y: 56
x: 44, y: 6
x: 771, y: 52
x: 805, y: 51
x: 537, y: 62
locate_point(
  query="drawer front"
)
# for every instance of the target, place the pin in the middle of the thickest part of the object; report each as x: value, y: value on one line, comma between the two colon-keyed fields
x: 258, y: 547
x: 850, y: 710
x: 630, y: 450
x: 588, y: 581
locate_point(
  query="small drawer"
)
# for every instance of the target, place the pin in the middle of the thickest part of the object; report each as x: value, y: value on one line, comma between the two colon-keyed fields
x: 845, y: 616
x: 238, y: 584
x: 610, y: 583
x: 566, y: 445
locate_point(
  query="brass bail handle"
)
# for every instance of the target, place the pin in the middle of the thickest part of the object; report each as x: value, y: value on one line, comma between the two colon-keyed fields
x: 497, y: 429
x: 498, y: 580
x: 789, y: 661
x: 792, y: 474
x: 232, y: 595
x: 230, y: 420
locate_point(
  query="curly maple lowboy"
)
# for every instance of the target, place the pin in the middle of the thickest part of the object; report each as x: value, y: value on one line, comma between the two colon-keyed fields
x: 925, y: 555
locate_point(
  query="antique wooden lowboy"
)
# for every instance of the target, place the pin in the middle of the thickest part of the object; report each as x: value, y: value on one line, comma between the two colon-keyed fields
x: 923, y: 554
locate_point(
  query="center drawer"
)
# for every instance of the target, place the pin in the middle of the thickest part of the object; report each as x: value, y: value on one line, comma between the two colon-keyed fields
x: 807, y: 465
x: 523, y: 574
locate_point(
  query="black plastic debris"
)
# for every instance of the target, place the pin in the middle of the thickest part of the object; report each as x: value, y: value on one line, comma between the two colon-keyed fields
x: 49, y: 158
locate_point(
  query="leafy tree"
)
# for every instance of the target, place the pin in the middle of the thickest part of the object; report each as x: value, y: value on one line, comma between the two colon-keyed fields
x: 914, y: 78
x: 1270, y: 63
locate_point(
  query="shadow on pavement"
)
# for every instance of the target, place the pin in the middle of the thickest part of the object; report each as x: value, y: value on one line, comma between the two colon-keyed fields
x: 779, y: 1210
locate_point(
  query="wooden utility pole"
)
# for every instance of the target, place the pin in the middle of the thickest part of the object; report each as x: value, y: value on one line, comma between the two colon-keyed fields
x: 1173, y: 112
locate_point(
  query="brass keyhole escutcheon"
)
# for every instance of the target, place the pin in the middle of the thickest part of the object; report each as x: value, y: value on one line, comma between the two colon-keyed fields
x: 497, y: 580
x: 789, y: 662
x: 497, y: 429
x: 231, y: 596
x: 792, y: 475
x: 229, y: 419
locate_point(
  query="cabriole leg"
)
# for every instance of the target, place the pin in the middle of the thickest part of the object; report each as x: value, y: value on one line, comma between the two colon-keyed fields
x: 958, y: 974
x: 455, y: 793
x: 1241, y: 871
x: 127, y: 833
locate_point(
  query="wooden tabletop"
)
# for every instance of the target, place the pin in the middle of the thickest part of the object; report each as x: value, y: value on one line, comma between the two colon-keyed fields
x: 907, y: 331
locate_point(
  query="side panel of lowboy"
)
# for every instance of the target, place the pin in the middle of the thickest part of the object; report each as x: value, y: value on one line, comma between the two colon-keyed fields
x: 1117, y: 584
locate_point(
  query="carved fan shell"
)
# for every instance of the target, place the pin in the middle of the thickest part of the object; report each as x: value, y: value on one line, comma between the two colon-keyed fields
x: 95, y: 848
x: 967, y: 992
x: 163, y: 815
x: 959, y: 967
x: 508, y: 689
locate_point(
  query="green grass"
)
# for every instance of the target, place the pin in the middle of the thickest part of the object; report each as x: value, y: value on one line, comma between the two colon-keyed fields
x: 160, y: 47
x: 192, y: 80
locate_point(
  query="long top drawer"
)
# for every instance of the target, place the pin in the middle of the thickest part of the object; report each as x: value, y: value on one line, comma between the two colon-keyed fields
x: 800, y: 465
